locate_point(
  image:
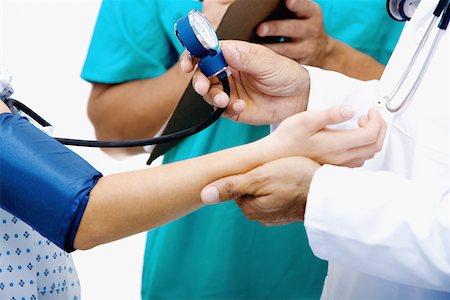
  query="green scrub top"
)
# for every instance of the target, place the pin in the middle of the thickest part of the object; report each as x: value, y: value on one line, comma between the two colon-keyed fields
x: 215, y: 252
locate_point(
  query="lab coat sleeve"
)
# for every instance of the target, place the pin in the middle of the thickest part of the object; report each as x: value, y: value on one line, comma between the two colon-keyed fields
x: 381, y: 224
x: 42, y: 182
x: 329, y: 89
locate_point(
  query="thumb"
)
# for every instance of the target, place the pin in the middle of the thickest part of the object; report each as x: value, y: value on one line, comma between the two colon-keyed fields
x: 316, y: 120
x: 224, y: 189
x: 240, y: 58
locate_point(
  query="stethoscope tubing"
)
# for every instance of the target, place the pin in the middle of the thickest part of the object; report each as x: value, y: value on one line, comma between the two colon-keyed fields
x: 16, y: 105
x: 408, y: 69
x: 442, y: 6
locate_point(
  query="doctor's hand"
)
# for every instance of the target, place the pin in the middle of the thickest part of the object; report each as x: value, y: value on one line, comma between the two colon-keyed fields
x: 309, y: 43
x: 273, y: 194
x: 265, y: 87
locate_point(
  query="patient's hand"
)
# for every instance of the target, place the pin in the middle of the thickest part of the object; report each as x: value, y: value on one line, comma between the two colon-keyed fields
x: 276, y: 192
x: 306, y: 134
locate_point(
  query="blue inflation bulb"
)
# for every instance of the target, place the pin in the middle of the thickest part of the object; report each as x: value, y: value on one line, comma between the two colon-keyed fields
x: 197, y: 35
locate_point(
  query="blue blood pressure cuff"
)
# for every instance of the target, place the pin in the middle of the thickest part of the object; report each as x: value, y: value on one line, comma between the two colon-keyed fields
x: 42, y: 182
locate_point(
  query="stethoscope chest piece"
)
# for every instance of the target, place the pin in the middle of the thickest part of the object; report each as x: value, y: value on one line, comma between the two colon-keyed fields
x: 402, y: 10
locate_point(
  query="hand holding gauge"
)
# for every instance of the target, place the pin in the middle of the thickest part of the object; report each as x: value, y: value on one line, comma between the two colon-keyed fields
x: 197, y: 35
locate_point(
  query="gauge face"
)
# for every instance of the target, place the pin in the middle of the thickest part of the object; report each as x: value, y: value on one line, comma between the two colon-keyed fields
x: 203, y: 30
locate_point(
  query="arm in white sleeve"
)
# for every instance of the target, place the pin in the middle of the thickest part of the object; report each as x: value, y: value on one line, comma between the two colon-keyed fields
x: 329, y: 88
x: 382, y: 224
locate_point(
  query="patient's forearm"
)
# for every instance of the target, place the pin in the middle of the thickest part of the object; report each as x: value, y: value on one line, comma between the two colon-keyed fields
x: 3, y: 108
x: 124, y: 204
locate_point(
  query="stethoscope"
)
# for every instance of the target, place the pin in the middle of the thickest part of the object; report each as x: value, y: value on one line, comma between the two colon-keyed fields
x: 197, y: 35
x: 402, y: 10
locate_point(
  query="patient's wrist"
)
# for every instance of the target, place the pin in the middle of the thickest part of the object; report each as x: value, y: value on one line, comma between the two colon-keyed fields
x: 270, y: 148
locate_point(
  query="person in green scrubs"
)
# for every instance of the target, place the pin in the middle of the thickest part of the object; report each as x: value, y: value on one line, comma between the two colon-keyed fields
x: 215, y: 252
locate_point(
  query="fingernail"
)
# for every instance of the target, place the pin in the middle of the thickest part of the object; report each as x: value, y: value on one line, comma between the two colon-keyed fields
x: 197, y: 87
x: 347, y: 111
x: 290, y: 3
x: 210, y: 195
x: 183, y: 64
x: 263, y: 30
x: 239, y: 106
x: 220, y: 100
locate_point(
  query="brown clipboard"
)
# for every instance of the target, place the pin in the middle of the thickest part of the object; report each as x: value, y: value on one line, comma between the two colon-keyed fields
x: 239, y: 23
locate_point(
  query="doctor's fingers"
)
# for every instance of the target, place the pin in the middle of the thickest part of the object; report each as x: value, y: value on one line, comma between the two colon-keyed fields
x: 261, y: 209
x: 212, y: 92
x: 201, y: 83
x: 210, y: 89
x: 188, y: 62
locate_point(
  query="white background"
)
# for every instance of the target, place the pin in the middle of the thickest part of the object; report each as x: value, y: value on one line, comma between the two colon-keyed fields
x: 43, y: 45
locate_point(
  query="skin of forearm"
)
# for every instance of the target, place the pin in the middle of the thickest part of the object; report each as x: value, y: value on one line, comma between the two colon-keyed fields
x: 125, y: 204
x: 3, y: 108
x: 351, y: 62
x: 135, y: 109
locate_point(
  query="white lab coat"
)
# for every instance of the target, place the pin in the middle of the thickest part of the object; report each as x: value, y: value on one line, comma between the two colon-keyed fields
x: 385, y: 227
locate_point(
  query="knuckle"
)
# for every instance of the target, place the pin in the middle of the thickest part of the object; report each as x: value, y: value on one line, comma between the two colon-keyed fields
x: 230, y: 189
x: 292, y: 27
x: 259, y: 177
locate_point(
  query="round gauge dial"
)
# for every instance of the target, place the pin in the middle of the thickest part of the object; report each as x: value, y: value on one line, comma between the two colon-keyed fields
x: 203, y: 30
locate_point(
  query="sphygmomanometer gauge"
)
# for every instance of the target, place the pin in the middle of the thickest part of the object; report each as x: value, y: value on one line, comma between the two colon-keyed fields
x: 199, y: 38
